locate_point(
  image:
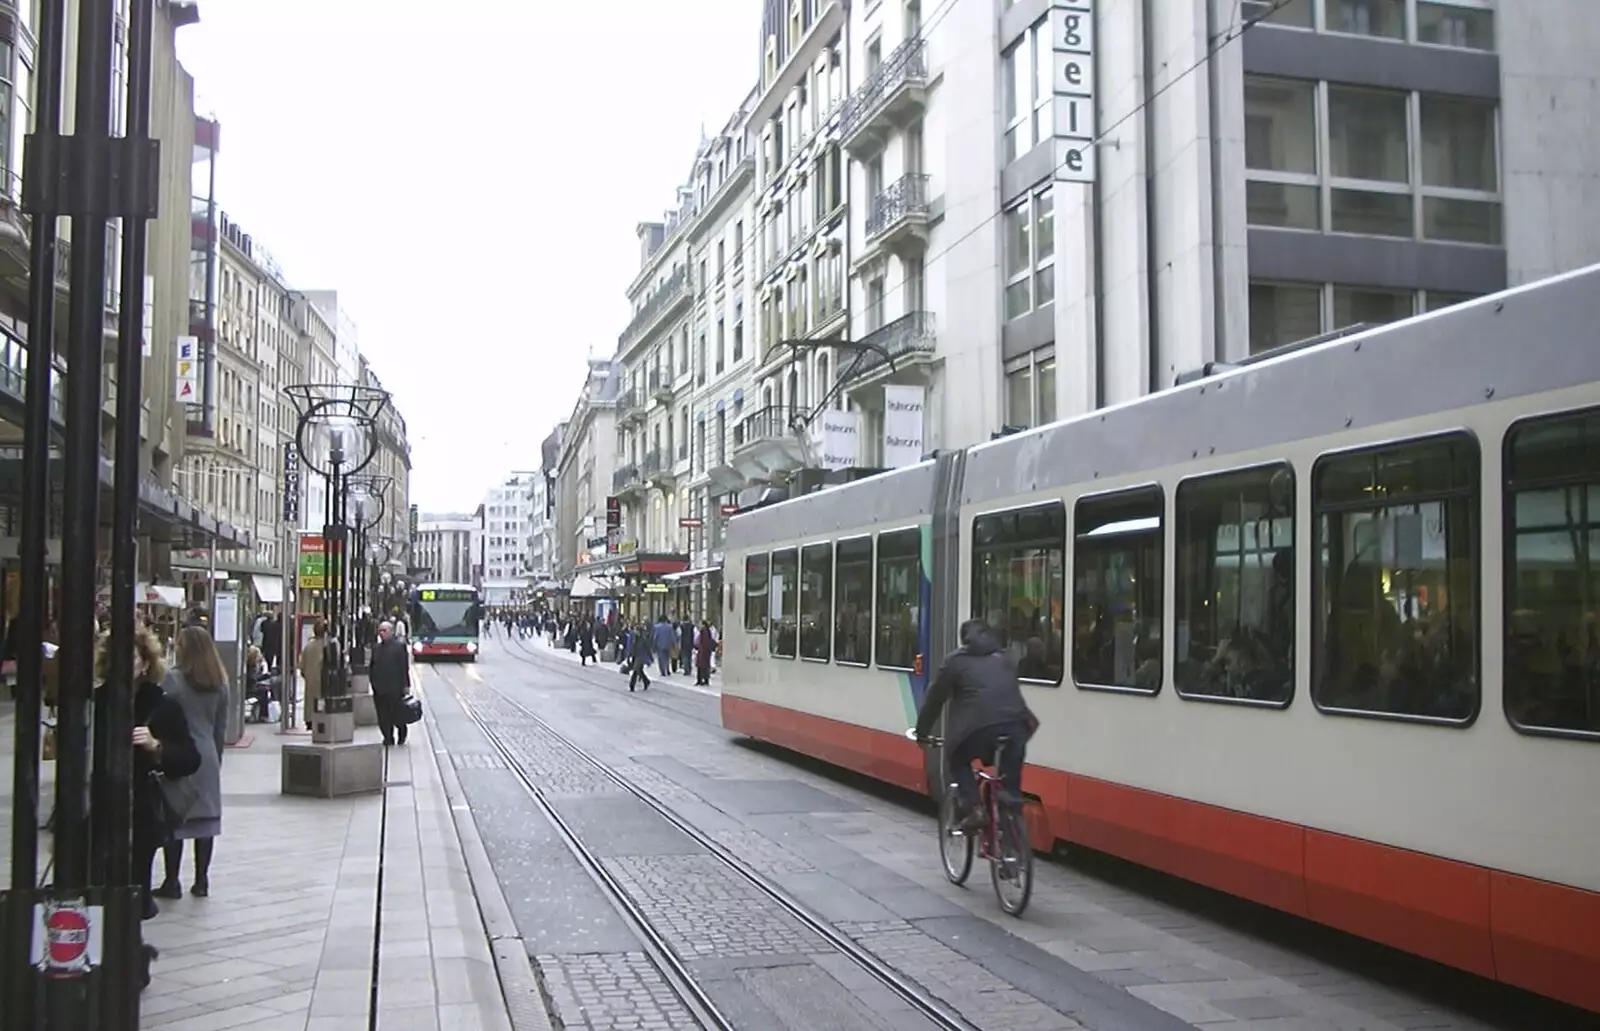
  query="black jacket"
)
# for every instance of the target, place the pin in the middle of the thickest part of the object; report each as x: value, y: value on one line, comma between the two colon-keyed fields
x: 179, y: 757
x: 979, y: 681
x: 389, y: 672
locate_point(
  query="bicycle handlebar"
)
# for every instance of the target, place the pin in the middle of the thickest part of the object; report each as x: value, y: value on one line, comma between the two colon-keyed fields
x: 926, y: 742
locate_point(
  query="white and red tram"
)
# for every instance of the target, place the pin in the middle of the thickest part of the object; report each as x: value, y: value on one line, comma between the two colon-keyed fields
x: 1322, y: 632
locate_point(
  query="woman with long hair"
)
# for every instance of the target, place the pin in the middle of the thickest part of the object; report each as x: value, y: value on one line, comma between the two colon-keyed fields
x: 199, y: 683
x: 162, y: 748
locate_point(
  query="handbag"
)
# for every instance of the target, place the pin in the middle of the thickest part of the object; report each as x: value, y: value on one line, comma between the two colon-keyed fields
x: 410, y: 710
x: 178, y: 798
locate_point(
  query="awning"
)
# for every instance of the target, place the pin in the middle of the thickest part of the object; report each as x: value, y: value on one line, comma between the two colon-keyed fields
x: 268, y: 588
x: 171, y: 597
x: 588, y: 587
x: 691, y: 574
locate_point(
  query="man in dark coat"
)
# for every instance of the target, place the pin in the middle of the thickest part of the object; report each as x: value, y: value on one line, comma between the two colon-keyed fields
x: 389, y: 672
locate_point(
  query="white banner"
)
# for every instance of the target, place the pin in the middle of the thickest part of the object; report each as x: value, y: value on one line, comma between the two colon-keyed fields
x: 902, y: 425
x: 186, y: 387
x: 836, y: 438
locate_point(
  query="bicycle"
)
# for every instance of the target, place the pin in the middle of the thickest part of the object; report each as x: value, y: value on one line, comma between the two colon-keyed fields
x: 1003, y: 839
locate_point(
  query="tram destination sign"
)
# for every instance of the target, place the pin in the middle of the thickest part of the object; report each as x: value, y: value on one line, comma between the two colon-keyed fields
x: 437, y: 595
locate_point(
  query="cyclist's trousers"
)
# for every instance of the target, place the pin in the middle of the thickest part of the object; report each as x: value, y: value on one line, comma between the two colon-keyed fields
x: 980, y: 744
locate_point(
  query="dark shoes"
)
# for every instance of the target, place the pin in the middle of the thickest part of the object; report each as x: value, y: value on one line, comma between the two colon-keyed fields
x: 169, y: 889
x: 201, y: 888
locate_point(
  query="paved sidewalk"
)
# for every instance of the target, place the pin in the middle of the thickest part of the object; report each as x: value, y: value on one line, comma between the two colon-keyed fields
x: 286, y: 940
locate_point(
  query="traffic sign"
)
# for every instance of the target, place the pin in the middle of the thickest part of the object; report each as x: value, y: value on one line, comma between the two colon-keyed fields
x: 67, y: 937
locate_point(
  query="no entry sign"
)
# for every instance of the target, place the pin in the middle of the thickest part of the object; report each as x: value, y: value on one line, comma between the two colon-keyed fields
x: 67, y: 937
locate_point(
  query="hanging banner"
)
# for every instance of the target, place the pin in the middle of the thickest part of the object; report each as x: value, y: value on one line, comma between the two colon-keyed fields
x: 902, y: 425
x: 836, y: 438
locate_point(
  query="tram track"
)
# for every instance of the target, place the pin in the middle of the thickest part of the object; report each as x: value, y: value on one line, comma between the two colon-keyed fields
x: 656, y: 940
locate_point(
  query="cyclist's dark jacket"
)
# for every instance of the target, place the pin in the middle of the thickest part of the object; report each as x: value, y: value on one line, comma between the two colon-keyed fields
x: 979, y: 681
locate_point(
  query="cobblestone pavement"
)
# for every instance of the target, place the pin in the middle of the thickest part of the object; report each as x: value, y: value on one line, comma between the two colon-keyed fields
x: 1089, y: 953
x: 612, y: 992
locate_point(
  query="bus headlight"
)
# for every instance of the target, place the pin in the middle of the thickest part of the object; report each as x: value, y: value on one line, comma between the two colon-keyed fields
x: 416, y: 647
x: 472, y: 647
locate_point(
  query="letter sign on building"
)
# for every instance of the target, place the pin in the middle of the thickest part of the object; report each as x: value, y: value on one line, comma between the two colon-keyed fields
x: 1072, y: 72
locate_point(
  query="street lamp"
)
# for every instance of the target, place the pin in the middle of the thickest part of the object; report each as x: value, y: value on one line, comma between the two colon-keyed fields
x: 336, y: 439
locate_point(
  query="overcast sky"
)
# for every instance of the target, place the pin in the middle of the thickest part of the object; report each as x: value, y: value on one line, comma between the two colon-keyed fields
x: 469, y: 182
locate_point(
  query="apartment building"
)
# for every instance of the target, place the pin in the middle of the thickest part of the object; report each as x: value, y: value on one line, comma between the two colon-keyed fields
x: 507, y: 525
x: 443, y: 547
x: 588, y: 518
x: 544, y: 543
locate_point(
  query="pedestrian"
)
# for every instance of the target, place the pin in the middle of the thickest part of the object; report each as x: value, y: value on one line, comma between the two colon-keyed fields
x: 311, y: 657
x: 390, y: 676
x: 199, y: 683
x: 705, y: 643
x: 663, y: 638
x: 639, y: 658
x: 586, y: 650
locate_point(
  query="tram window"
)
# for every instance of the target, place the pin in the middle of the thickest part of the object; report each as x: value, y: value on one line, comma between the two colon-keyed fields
x: 1116, y: 596
x: 755, y: 594
x: 784, y: 589
x: 816, y: 601
x: 1234, y: 586
x: 1395, y: 584
x: 852, y: 635
x: 1552, y: 541
x: 899, y: 597
x: 1019, y: 566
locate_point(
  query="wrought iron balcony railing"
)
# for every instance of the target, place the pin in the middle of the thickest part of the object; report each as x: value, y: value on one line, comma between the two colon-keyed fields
x: 908, y: 62
x: 906, y: 197
x: 673, y: 289
x: 910, y: 334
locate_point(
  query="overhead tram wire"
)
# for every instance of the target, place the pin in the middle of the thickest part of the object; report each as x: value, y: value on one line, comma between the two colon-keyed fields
x: 1219, y: 43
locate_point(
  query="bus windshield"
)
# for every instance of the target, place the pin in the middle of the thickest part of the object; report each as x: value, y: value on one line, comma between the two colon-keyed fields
x: 446, y: 617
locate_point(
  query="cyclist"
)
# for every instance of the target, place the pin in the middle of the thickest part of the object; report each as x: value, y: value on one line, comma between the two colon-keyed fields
x: 979, y: 682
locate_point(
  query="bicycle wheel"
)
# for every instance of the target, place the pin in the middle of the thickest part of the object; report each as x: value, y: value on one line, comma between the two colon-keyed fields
x: 955, y: 848
x: 1011, y: 862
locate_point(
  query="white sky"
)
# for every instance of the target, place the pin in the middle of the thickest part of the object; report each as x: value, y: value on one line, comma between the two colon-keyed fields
x: 468, y: 176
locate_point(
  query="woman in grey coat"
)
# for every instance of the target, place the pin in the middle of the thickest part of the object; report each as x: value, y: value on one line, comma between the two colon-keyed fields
x: 198, y: 682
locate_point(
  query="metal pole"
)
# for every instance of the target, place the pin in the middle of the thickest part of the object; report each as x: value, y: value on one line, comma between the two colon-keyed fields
x: 114, y: 822
x: 18, y: 1012
x: 288, y: 623
x: 68, y: 999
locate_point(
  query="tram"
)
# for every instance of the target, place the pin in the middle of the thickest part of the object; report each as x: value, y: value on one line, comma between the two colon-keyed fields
x: 1321, y: 631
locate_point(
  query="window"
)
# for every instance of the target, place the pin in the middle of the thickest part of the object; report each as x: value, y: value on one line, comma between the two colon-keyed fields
x: 1029, y: 233
x: 1395, y: 587
x: 1031, y: 389
x: 1234, y: 586
x: 755, y: 594
x: 898, y: 603
x: 1552, y: 541
x: 784, y: 589
x: 1116, y: 595
x: 1281, y: 153
x: 852, y: 634
x: 1385, y: 18
x: 1282, y: 313
x: 1447, y: 25
x: 816, y: 601
x: 1459, y: 170
x: 1028, y: 93
x: 1434, y: 300
x: 1353, y: 306
x: 1293, y: 13
x: 1019, y: 585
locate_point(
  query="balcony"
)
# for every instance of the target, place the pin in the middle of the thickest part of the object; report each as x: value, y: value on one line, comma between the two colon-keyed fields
x: 765, y: 446
x: 894, y: 96
x: 626, y: 482
x: 660, y: 387
x: 657, y: 467
x: 910, y: 340
x: 663, y: 301
x: 630, y: 407
x: 897, y: 218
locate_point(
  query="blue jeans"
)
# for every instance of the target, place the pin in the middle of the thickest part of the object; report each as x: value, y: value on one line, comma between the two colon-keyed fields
x: 980, y: 744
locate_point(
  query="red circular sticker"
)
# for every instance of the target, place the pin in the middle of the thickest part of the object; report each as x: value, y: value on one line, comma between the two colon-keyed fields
x: 66, y: 937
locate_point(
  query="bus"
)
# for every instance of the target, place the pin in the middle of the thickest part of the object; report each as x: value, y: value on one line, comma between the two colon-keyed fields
x: 444, y: 622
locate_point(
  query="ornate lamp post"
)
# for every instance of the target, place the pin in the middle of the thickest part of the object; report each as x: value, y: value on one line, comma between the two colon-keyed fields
x: 337, y: 440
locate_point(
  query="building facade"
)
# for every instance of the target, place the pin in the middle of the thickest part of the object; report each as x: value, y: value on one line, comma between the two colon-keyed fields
x: 508, y: 510
x: 444, y: 548
x: 585, y: 471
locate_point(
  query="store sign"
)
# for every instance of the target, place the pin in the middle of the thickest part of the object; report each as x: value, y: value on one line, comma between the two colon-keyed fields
x: 291, y: 482
x: 1072, y: 73
x: 186, y: 388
